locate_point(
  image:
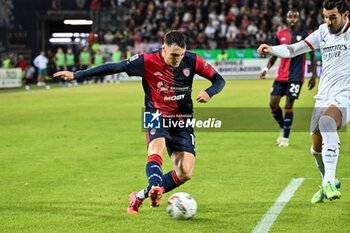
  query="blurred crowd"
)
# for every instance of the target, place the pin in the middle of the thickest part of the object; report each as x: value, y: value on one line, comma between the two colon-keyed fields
x: 209, y: 24
x: 142, y: 25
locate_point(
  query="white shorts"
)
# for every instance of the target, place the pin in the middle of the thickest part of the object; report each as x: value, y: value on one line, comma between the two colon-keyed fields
x: 342, y: 102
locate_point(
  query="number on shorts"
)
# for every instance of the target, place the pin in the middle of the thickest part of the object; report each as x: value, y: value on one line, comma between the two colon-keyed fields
x: 192, y: 137
x: 294, y: 88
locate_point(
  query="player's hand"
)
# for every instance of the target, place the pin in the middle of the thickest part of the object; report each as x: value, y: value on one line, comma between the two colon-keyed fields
x: 264, y: 49
x: 263, y: 75
x: 203, y: 97
x: 312, y: 82
x: 66, y: 75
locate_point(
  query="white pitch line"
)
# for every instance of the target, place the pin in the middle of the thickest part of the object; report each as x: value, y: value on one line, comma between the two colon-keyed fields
x: 272, y: 214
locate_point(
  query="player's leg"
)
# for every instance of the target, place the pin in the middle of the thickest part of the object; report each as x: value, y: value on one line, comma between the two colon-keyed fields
x: 278, y: 90
x: 156, y: 148
x: 154, y: 173
x: 292, y: 92
x: 287, y: 121
x: 328, y: 124
x: 315, y: 150
x: 277, y: 115
x: 183, y: 169
x: 182, y: 150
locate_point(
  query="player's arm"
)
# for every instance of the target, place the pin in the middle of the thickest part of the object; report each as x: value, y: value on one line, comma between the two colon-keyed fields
x: 285, y: 50
x: 218, y: 84
x: 312, y: 81
x: 270, y: 63
x: 101, y: 70
x: 133, y: 67
x: 207, y: 71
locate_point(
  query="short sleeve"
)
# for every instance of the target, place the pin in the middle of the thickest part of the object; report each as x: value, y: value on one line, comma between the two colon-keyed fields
x: 203, y: 68
x: 313, y: 40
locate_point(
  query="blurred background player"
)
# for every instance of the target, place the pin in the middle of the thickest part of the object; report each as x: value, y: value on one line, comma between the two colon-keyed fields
x: 29, y: 76
x: 41, y: 63
x: 116, y: 57
x: 70, y: 60
x: 60, y: 62
x: 98, y: 60
x: 84, y: 61
x: 70, y: 64
x: 21, y: 63
x: 290, y: 76
x: 167, y: 77
x: 332, y: 106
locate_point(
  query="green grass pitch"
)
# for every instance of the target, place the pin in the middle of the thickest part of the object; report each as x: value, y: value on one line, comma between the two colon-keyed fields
x: 69, y: 157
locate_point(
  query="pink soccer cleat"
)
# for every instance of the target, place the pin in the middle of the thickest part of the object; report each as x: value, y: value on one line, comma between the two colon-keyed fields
x: 155, y: 194
x: 135, y: 203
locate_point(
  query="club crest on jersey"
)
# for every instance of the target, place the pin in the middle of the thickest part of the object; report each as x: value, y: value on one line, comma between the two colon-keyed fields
x: 186, y: 72
x: 299, y: 37
x: 346, y: 36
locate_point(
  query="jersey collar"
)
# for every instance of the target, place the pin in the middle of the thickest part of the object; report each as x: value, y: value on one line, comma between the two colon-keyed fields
x: 346, y: 26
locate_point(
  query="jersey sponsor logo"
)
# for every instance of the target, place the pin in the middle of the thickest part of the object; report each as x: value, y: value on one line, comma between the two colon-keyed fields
x: 206, y: 65
x: 334, y: 51
x: 133, y: 58
x: 158, y: 74
x: 334, y: 48
x: 162, y: 87
x: 186, y: 72
x: 283, y: 39
x: 174, y: 97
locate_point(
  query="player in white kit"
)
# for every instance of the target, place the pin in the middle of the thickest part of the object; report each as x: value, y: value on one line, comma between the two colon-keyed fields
x: 332, y: 104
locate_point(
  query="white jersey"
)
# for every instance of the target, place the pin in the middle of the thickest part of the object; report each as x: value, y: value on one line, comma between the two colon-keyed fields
x: 40, y: 62
x: 335, y: 51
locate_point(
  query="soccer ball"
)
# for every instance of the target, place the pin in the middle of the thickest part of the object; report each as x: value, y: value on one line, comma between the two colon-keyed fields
x: 181, y: 206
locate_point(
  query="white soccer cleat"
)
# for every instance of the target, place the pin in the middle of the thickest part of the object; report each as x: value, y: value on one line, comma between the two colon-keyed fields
x: 284, y: 142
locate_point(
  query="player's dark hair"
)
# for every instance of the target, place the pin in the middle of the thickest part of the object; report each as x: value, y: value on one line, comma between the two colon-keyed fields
x: 175, y: 37
x: 339, y: 4
x: 293, y: 10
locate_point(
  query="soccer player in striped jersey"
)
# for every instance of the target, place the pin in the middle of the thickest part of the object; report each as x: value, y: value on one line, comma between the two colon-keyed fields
x: 290, y: 76
x: 167, y: 77
x: 332, y: 104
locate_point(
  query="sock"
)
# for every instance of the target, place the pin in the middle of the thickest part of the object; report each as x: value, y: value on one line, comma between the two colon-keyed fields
x: 330, y: 150
x: 318, y: 161
x: 287, y: 123
x: 171, y: 181
x: 142, y: 194
x: 154, y: 171
x: 277, y: 114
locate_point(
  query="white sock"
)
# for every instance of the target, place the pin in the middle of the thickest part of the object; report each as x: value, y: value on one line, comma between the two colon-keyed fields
x: 318, y: 161
x: 330, y: 150
x: 141, y: 194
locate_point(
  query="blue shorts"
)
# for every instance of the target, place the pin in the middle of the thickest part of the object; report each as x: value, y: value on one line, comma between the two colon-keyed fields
x: 42, y: 72
x: 176, y: 139
x: 289, y: 89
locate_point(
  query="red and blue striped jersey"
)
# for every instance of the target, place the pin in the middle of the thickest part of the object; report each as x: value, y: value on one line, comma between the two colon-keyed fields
x: 168, y: 89
x: 291, y: 69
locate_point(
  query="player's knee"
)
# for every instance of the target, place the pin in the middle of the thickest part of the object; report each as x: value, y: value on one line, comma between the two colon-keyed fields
x: 185, y: 175
x: 274, y: 107
x: 327, y: 124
